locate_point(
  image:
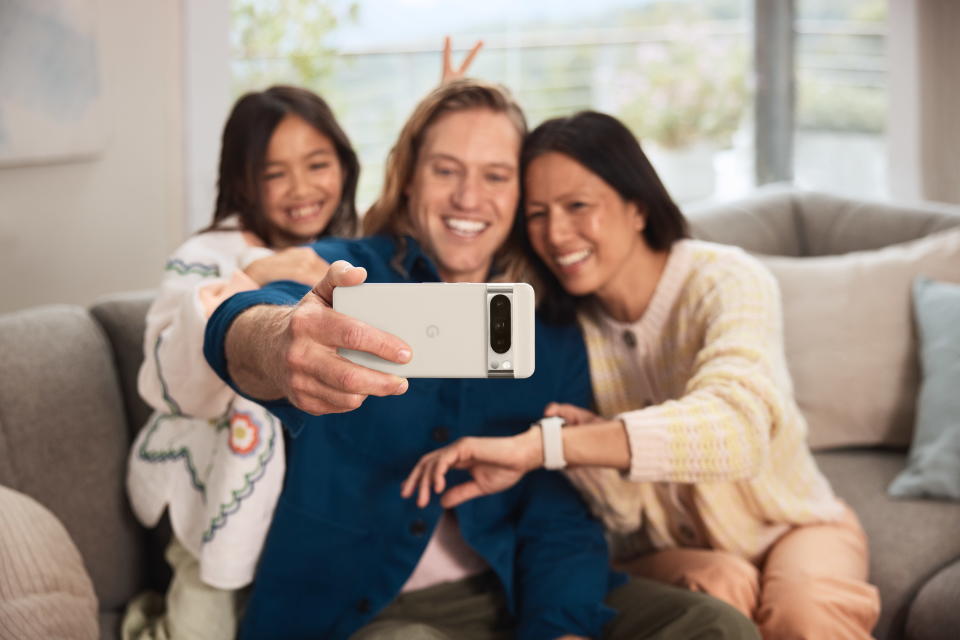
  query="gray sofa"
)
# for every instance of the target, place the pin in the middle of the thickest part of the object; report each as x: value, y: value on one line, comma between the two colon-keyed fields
x: 69, y: 409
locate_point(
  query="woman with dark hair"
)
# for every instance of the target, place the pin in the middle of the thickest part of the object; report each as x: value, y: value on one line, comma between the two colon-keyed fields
x: 699, y: 468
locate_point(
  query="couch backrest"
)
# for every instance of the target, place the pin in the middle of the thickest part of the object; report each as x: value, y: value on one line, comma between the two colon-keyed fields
x: 848, y: 331
x: 123, y: 318
x: 64, y: 438
x: 768, y: 223
x: 834, y: 225
x: 784, y: 221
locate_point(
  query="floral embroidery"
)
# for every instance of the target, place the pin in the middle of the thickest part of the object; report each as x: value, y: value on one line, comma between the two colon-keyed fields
x: 244, y: 434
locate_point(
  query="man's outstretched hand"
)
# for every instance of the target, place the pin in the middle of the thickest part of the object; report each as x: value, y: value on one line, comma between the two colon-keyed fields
x: 275, y: 351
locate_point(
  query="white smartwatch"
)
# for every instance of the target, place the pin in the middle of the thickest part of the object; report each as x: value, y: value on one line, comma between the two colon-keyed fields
x: 552, y: 442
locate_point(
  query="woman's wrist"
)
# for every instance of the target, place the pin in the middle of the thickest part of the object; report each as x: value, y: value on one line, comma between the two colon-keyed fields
x: 530, y: 442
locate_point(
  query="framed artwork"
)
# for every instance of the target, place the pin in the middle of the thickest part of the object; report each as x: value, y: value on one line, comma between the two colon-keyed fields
x: 51, y: 83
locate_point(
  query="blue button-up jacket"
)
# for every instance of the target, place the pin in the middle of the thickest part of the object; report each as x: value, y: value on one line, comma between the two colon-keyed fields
x: 343, y: 542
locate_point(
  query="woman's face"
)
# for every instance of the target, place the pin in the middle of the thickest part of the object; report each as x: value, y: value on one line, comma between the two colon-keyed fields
x: 302, y: 182
x: 578, y: 224
x: 462, y: 197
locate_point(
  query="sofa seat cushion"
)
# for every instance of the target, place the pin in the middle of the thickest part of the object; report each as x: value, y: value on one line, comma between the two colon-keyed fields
x: 64, y: 440
x: 935, y: 614
x: 910, y: 540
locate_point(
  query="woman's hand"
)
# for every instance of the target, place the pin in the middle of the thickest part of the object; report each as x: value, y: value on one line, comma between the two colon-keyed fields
x: 495, y: 464
x: 571, y: 414
x: 449, y: 73
x: 301, y: 264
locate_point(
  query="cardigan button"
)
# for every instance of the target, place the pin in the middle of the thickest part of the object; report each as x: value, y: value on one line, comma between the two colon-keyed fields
x: 364, y: 605
x: 629, y: 338
x: 418, y: 527
x: 440, y: 434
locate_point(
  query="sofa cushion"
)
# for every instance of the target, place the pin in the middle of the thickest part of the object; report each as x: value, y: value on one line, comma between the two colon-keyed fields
x: 934, y: 614
x: 768, y: 223
x: 849, y: 338
x: 933, y: 465
x: 909, y: 539
x: 834, y: 225
x: 45, y: 591
x: 123, y: 318
x: 64, y: 441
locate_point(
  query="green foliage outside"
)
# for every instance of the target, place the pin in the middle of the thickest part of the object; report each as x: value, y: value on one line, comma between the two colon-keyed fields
x: 689, y: 89
x: 276, y: 41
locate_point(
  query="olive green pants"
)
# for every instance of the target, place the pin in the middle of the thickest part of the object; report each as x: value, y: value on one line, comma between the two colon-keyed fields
x: 474, y: 609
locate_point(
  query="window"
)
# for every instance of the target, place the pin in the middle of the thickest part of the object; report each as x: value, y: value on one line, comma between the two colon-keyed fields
x: 839, y: 139
x: 679, y: 73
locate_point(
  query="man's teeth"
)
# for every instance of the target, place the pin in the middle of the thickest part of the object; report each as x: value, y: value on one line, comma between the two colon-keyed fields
x: 461, y: 225
x: 304, y: 211
x: 568, y: 259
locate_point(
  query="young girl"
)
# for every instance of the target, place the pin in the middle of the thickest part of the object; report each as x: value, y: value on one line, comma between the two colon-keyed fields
x: 215, y: 460
x: 700, y: 469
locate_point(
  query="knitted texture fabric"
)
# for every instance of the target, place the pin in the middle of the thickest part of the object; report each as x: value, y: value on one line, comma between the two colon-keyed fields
x: 718, y: 445
x: 45, y: 591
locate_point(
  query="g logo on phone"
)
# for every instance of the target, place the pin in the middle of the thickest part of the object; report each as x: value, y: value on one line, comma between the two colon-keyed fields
x: 433, y: 331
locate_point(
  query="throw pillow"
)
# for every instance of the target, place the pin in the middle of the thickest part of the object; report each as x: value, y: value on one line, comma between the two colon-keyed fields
x: 848, y: 334
x: 45, y: 591
x: 933, y: 466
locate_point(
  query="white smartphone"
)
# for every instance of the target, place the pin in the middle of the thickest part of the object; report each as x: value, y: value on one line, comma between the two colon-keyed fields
x: 455, y: 330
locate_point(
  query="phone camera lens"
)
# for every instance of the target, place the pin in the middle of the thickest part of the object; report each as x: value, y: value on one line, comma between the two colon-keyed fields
x: 500, y: 323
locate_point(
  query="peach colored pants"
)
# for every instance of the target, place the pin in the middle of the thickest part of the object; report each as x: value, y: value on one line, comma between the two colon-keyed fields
x: 812, y: 584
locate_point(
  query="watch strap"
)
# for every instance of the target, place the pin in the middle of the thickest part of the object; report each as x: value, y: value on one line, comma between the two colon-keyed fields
x: 550, y: 429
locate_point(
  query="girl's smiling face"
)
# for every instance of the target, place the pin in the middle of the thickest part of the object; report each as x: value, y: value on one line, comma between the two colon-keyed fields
x: 302, y: 182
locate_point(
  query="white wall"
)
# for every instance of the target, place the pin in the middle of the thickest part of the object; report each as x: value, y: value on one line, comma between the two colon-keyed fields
x: 73, y: 231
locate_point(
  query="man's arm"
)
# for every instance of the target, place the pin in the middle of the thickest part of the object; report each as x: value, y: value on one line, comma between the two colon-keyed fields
x: 268, y: 348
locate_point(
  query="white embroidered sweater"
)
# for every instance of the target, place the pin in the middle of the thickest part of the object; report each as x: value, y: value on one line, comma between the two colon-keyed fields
x: 212, y: 458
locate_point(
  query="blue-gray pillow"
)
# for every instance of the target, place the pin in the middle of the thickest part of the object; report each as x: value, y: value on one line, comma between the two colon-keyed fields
x: 933, y: 466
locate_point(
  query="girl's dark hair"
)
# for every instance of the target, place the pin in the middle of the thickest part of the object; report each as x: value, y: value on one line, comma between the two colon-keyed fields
x: 605, y: 147
x: 243, y: 151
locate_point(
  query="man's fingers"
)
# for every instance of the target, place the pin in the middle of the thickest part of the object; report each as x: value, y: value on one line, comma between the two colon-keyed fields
x: 338, y: 330
x: 460, y: 494
x: 340, y: 274
x: 316, y: 397
x: 342, y: 375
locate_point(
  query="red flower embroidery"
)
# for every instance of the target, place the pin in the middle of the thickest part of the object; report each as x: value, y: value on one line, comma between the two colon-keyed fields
x: 244, y: 434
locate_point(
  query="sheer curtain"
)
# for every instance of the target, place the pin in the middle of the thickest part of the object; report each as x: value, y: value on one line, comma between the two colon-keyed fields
x: 924, y: 114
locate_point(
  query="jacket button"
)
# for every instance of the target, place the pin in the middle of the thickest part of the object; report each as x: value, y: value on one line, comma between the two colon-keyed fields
x: 418, y: 527
x: 629, y: 338
x: 364, y: 605
x: 440, y: 434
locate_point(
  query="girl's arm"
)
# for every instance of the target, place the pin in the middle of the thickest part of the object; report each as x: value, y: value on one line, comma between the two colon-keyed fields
x: 174, y: 377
